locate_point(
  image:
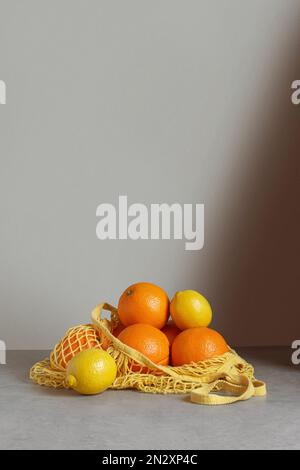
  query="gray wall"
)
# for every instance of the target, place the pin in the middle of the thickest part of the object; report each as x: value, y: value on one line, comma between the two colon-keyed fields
x: 165, y: 101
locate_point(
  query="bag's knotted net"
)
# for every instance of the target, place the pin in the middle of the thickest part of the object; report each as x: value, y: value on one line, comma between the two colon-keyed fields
x: 221, y: 380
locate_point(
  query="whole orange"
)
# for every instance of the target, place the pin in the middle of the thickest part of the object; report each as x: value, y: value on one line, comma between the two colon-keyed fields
x: 148, y: 340
x: 171, y: 331
x: 144, y: 303
x: 75, y: 340
x: 197, y: 344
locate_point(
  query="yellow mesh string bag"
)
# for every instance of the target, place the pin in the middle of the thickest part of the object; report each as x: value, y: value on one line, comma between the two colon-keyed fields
x: 222, y: 380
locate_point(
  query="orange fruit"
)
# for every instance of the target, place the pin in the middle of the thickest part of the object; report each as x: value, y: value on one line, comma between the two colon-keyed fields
x: 171, y: 331
x: 197, y: 344
x: 148, y: 340
x: 75, y: 340
x: 144, y: 303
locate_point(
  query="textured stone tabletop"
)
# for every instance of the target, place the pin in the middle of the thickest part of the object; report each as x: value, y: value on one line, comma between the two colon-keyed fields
x: 34, y: 417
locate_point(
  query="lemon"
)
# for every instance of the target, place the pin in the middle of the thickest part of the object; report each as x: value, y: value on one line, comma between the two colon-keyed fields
x: 91, y: 371
x: 190, y: 309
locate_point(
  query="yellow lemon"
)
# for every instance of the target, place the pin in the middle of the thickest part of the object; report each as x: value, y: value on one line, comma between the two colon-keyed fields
x: 189, y: 309
x: 91, y: 371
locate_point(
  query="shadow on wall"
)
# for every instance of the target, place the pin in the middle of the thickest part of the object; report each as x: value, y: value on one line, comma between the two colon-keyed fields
x: 256, y: 279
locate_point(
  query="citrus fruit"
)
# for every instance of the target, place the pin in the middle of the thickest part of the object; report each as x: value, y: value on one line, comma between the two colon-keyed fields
x: 144, y: 303
x: 171, y: 331
x: 197, y: 344
x: 148, y: 340
x: 75, y: 340
x: 91, y: 371
x: 189, y: 309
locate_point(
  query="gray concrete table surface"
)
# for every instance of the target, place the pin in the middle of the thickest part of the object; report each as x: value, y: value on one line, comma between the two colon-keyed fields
x: 34, y: 417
